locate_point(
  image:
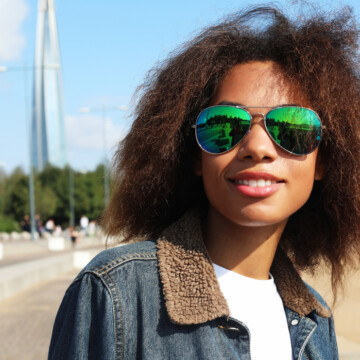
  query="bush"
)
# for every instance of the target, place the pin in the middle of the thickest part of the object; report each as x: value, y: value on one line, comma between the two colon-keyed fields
x: 7, y: 224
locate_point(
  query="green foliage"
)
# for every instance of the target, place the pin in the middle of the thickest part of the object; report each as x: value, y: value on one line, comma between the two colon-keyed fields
x: 3, y: 184
x: 52, y: 195
x: 7, y: 224
x: 45, y: 201
x: 17, y: 196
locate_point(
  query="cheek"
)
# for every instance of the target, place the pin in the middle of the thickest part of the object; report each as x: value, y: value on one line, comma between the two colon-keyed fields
x: 212, y: 166
x: 302, y: 181
x: 212, y: 172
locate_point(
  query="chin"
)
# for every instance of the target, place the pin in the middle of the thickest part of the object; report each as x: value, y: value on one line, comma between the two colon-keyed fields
x: 259, y: 223
x: 256, y: 219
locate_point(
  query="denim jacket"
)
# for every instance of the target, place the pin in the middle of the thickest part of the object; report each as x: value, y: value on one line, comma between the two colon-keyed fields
x: 160, y: 299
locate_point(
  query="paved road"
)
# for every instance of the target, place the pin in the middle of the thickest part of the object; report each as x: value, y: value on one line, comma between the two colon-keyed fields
x: 26, y: 319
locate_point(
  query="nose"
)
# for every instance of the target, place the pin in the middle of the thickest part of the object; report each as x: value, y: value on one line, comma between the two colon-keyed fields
x: 257, y: 144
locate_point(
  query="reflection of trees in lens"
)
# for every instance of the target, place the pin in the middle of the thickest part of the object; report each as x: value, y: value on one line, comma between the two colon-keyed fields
x: 273, y: 129
x: 302, y: 140
x: 286, y: 136
x: 218, y: 119
x: 296, y: 137
x: 236, y: 134
x: 220, y: 132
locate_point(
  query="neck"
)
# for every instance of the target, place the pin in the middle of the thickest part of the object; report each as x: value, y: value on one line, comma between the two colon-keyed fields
x: 246, y: 250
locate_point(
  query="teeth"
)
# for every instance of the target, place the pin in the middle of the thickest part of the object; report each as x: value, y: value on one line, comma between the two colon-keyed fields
x: 252, y: 183
x: 255, y: 183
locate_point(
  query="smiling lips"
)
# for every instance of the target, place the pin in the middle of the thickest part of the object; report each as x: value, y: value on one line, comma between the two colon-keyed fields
x: 256, y: 184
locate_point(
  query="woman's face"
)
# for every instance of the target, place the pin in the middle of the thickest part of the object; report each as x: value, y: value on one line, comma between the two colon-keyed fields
x: 256, y: 159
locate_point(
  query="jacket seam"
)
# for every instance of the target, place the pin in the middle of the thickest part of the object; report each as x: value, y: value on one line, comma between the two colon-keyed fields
x: 220, y: 343
x: 115, y: 322
x: 306, y: 356
x: 118, y: 262
x: 102, y: 280
x: 302, y: 350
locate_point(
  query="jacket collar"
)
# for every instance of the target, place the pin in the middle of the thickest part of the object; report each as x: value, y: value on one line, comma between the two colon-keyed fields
x: 192, y: 292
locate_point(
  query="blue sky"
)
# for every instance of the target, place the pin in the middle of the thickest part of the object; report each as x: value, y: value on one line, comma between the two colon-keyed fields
x: 107, y: 47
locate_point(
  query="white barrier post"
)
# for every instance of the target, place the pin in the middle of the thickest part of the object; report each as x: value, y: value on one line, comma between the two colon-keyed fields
x: 56, y: 243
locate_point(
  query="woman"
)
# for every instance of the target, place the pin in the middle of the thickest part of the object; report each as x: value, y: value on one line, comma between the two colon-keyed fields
x: 270, y: 174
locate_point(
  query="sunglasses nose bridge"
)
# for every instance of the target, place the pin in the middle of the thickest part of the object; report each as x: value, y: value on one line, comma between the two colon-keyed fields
x: 256, y: 115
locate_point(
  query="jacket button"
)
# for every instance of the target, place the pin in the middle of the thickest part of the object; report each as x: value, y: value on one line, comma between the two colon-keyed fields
x: 294, y: 322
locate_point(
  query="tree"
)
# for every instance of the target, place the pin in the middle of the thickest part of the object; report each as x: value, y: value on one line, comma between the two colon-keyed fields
x: 52, y: 194
x: 17, y: 195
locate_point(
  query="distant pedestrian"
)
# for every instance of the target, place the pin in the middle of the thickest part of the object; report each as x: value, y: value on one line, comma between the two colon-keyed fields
x: 84, y: 223
x: 73, y: 235
x: 58, y: 230
x: 92, y: 228
x: 50, y: 226
x: 38, y: 225
x: 25, y: 223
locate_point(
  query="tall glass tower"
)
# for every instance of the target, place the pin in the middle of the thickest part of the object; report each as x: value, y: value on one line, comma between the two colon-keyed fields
x: 47, y: 124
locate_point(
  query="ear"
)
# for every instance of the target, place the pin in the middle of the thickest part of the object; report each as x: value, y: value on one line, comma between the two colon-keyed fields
x: 320, y: 168
x: 197, y: 168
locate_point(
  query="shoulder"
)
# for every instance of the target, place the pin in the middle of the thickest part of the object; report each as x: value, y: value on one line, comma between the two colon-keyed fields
x: 116, y: 257
x: 115, y: 268
x: 123, y: 269
x: 97, y: 299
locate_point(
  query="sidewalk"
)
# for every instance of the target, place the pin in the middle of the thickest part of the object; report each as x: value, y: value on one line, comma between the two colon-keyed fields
x: 26, y: 264
x: 27, y: 319
x: 21, y: 251
x: 33, y: 281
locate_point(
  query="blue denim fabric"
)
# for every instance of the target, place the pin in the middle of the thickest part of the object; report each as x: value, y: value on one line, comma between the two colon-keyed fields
x: 115, y: 309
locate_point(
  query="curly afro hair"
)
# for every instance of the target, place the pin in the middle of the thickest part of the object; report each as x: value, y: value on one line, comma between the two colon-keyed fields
x: 154, y: 182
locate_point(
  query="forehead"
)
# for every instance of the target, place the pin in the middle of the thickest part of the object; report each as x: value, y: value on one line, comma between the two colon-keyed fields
x: 256, y: 84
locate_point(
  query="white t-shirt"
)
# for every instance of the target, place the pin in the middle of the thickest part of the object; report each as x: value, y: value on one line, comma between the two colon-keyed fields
x: 257, y: 304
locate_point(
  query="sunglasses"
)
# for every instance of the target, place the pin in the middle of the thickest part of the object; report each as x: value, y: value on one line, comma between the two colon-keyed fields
x: 295, y: 129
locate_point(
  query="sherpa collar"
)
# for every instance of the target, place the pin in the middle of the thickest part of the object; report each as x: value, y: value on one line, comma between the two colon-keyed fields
x: 192, y: 292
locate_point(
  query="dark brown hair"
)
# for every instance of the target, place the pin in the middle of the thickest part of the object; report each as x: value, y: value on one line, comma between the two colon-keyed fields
x: 154, y: 183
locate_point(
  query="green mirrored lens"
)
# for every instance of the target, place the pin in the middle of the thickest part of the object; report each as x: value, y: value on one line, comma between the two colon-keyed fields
x: 296, y: 129
x: 220, y: 128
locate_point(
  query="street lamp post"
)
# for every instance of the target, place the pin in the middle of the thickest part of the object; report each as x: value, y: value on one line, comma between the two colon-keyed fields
x: 24, y: 70
x: 72, y: 202
x: 106, y: 163
x: 103, y: 110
